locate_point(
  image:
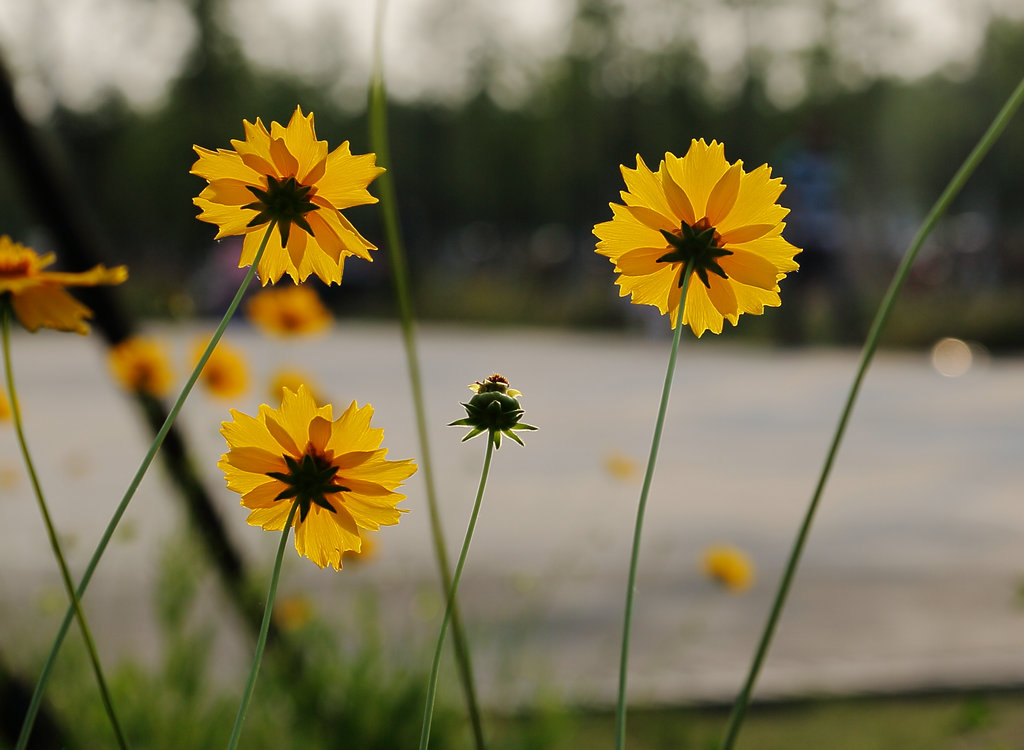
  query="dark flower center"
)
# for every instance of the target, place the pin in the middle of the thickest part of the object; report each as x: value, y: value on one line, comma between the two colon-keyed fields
x: 495, y: 383
x: 15, y: 268
x: 699, y: 245
x: 284, y: 201
x: 309, y: 479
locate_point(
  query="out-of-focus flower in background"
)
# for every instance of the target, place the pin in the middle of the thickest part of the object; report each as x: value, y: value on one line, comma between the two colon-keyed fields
x: 621, y: 466
x: 38, y: 297
x: 291, y: 378
x: 293, y: 612
x: 288, y: 311
x: 225, y: 373
x: 729, y: 566
x: 141, y: 365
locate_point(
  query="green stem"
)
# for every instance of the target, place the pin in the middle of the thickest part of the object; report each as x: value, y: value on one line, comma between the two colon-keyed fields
x: 37, y: 695
x: 51, y: 532
x: 870, y: 346
x: 261, y: 641
x: 400, y: 278
x: 620, y: 706
x: 428, y: 713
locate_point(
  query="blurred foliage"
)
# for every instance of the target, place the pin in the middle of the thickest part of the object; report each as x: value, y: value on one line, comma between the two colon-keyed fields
x: 498, y: 202
x: 345, y: 693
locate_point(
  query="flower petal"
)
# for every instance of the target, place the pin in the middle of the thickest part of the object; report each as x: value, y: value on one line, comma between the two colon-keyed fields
x: 51, y: 307
x: 641, y: 261
x: 723, y: 297
x: 645, y: 189
x: 352, y: 431
x: 723, y: 194
x: 751, y: 269
x: 346, y: 177
x: 324, y: 536
x: 699, y: 312
x: 698, y: 172
x: 676, y: 196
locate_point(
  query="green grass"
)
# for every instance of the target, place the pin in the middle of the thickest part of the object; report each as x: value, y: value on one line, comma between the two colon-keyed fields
x: 992, y: 721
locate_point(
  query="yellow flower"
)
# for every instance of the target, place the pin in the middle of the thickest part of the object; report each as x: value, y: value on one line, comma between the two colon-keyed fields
x: 291, y: 379
x: 225, y: 373
x: 293, y: 612
x: 288, y: 311
x: 5, y: 408
x: 38, y: 297
x: 703, y: 209
x: 286, y: 174
x: 141, y: 365
x: 621, y: 466
x: 729, y: 566
x: 366, y: 552
x: 335, y: 471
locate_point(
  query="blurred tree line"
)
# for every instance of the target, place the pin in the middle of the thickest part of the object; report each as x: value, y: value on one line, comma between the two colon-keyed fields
x: 498, y: 202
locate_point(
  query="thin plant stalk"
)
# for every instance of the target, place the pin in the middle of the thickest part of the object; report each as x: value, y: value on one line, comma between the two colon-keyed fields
x: 955, y: 185
x: 51, y: 532
x: 400, y: 277
x: 108, y: 533
x: 428, y: 712
x: 261, y: 641
x: 620, y: 706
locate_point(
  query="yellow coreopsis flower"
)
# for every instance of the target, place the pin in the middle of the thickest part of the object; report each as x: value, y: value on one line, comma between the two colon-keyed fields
x: 729, y: 566
x: 286, y: 175
x: 288, y: 311
x: 141, y: 365
x: 335, y: 471
x: 703, y: 210
x: 38, y: 297
x: 225, y: 373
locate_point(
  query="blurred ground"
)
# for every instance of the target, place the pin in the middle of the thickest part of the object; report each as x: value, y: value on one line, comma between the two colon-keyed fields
x: 910, y: 579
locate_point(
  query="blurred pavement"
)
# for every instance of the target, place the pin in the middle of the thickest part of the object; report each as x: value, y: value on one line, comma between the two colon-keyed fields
x: 910, y: 579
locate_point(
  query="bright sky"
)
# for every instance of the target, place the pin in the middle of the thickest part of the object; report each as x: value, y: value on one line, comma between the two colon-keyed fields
x: 81, y: 52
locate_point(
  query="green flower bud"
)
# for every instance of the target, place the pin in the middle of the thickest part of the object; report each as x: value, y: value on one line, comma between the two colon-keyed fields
x: 494, y: 409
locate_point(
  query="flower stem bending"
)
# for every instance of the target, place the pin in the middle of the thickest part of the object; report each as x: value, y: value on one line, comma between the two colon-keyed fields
x: 983, y: 146
x: 108, y: 533
x: 261, y: 641
x: 620, y: 706
x: 400, y: 278
x: 90, y: 645
x: 428, y: 713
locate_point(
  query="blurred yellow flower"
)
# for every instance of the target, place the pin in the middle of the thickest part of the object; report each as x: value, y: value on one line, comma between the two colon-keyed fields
x: 286, y: 175
x: 729, y: 566
x: 335, y: 471
x: 621, y: 466
x: 293, y: 612
x: 704, y: 210
x: 288, y: 311
x: 225, y: 373
x: 9, y: 475
x: 38, y: 297
x: 291, y: 379
x: 141, y: 365
x: 365, y: 553
x: 5, y: 407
